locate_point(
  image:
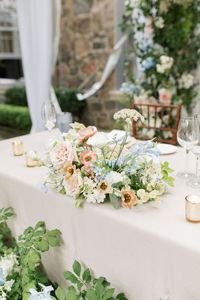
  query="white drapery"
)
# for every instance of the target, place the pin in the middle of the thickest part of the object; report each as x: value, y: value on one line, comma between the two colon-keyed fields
x: 39, y: 35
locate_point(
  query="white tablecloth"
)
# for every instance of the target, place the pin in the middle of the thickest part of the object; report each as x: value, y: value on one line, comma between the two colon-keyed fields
x: 146, y: 252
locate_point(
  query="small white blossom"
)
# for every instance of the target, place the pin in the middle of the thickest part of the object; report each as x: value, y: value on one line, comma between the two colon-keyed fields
x: 95, y: 197
x: 186, y: 81
x: 128, y: 115
x: 166, y: 63
x: 159, y: 22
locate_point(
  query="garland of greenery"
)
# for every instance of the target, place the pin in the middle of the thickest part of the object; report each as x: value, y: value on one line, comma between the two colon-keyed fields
x: 163, y: 35
x: 22, y: 276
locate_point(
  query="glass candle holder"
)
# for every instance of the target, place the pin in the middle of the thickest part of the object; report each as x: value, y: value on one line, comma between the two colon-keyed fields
x: 18, y: 148
x: 32, y: 159
x: 192, y: 208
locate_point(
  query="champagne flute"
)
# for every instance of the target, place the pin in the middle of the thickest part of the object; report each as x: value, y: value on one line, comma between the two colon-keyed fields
x: 187, y: 136
x: 48, y: 115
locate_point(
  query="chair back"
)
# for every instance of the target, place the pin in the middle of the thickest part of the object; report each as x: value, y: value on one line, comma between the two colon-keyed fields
x: 161, y: 121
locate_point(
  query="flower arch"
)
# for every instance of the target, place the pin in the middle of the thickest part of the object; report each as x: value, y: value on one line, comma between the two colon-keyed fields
x: 163, y: 36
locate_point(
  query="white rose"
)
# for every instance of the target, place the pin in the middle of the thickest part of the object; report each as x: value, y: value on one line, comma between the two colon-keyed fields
x: 100, y: 139
x: 114, y: 177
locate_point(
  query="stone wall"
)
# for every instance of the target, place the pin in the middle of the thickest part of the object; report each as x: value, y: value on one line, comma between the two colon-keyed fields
x: 87, y: 38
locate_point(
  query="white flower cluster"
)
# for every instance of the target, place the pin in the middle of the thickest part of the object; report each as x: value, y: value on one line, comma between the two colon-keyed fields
x: 166, y: 63
x: 186, y: 81
x: 128, y: 115
x: 159, y: 22
x: 8, y: 264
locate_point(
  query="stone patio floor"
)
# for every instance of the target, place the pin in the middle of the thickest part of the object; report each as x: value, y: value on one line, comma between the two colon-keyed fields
x: 7, y: 133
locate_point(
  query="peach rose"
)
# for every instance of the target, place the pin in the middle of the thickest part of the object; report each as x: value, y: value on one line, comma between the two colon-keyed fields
x: 165, y: 96
x: 73, y: 184
x: 128, y: 198
x: 86, y: 133
x: 61, y: 153
x: 87, y: 157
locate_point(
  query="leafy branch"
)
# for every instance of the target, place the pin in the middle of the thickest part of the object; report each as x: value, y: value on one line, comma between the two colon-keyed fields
x: 84, y: 286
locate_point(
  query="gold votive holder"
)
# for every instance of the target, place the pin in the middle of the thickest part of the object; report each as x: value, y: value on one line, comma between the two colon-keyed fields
x: 18, y: 148
x: 32, y: 159
x: 192, y: 208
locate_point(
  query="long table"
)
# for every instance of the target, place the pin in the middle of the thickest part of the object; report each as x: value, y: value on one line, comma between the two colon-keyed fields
x: 147, y: 252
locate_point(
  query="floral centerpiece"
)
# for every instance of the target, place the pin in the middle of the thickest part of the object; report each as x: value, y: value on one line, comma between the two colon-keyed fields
x: 95, y: 167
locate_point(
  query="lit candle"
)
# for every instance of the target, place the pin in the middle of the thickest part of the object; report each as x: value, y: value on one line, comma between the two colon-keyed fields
x: 32, y: 159
x: 192, y: 208
x: 18, y: 148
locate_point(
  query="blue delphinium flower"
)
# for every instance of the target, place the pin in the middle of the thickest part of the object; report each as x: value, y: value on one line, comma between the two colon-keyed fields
x: 128, y: 88
x: 42, y: 187
x: 148, y: 63
x: 2, y: 281
x: 146, y: 148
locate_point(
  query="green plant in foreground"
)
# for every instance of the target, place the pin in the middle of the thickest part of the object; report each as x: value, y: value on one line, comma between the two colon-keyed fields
x: 84, y: 286
x: 6, y: 240
x: 32, y: 243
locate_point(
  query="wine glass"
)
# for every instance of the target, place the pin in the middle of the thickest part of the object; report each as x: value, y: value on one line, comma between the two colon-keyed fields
x: 195, y: 183
x: 187, y: 136
x: 48, y: 114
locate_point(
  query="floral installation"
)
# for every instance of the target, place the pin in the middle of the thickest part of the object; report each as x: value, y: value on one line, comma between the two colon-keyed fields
x: 96, y: 167
x: 21, y: 276
x: 163, y: 37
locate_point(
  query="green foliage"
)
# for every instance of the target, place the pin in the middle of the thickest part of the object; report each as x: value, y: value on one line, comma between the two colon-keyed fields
x: 115, y: 201
x: 6, y: 240
x: 6, y: 214
x: 29, y: 248
x: 69, y: 102
x: 166, y: 171
x: 84, y: 286
x: 15, y: 117
x: 16, y: 95
x: 66, y: 97
x: 34, y: 241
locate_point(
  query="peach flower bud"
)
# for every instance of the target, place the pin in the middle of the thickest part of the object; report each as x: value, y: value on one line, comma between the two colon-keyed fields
x: 86, y: 133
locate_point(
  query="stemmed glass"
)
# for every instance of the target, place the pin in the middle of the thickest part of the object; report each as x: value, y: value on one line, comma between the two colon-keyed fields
x: 187, y: 136
x: 48, y: 114
x: 195, y: 183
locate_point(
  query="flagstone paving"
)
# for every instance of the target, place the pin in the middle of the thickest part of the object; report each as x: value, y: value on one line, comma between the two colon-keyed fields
x: 7, y: 133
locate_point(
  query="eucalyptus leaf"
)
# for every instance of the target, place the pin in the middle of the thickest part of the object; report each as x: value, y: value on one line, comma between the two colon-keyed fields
x: 86, y: 276
x: 71, y: 277
x: 77, y: 268
x: 60, y: 293
x: 115, y: 201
